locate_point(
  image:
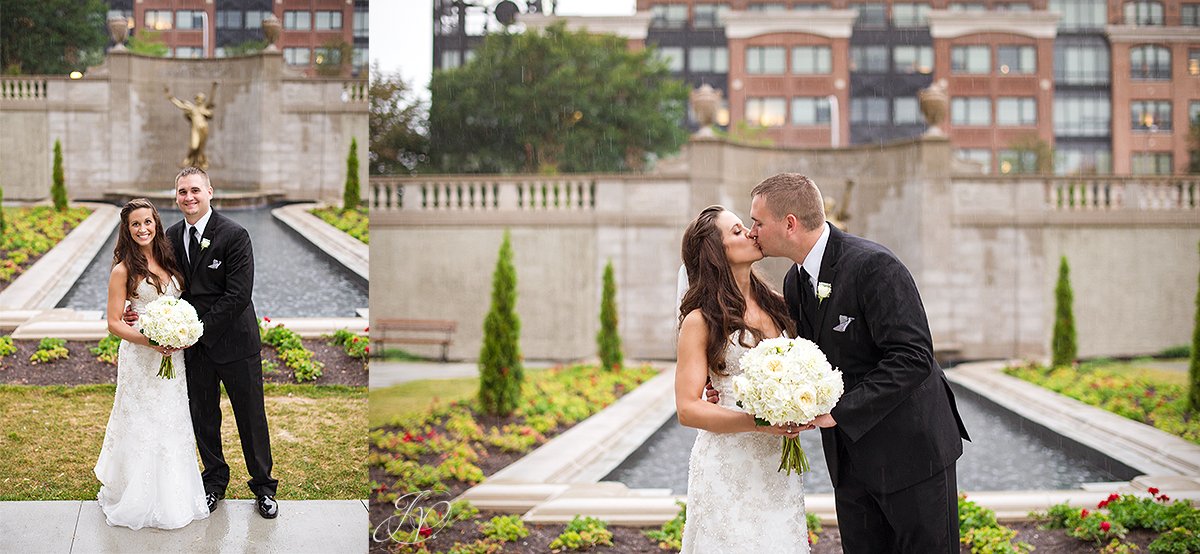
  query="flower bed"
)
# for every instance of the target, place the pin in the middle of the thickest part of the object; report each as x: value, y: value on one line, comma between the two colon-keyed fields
x: 32, y: 232
x: 1129, y: 523
x: 351, y: 222
x: 1153, y: 398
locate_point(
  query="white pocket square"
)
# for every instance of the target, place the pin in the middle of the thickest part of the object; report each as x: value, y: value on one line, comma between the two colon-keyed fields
x: 215, y: 264
x: 844, y: 322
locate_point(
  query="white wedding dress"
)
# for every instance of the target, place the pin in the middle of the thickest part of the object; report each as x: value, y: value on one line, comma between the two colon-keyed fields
x: 147, y: 468
x: 737, y: 502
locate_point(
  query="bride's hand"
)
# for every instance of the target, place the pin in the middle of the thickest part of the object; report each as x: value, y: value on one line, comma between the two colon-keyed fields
x: 790, y: 430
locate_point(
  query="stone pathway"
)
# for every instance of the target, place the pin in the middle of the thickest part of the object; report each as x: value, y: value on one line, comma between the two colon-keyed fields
x: 68, y: 526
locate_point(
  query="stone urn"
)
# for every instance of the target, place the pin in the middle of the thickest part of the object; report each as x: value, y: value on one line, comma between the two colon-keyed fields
x: 706, y: 101
x: 118, y: 30
x: 935, y: 103
x: 271, y: 29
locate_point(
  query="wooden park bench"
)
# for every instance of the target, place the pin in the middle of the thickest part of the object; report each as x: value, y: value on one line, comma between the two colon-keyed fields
x: 414, y: 331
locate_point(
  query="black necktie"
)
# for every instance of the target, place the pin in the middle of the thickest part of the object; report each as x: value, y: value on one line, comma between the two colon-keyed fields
x: 808, y: 303
x: 193, y: 248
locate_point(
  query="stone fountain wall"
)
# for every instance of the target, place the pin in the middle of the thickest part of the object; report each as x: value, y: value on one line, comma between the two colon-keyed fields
x: 271, y: 130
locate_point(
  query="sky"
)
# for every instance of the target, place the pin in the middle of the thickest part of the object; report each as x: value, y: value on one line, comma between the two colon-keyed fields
x: 402, y: 32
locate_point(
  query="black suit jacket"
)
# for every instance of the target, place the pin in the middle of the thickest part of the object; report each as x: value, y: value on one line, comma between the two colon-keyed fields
x: 219, y: 285
x: 897, y: 421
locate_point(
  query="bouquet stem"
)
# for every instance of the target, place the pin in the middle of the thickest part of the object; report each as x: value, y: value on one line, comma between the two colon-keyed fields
x: 793, y: 457
x: 166, y: 369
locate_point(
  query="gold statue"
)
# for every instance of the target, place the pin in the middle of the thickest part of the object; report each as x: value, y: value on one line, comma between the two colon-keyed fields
x: 197, y: 113
x: 839, y: 217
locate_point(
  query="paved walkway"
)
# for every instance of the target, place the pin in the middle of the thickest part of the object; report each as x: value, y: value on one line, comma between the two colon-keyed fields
x: 70, y: 526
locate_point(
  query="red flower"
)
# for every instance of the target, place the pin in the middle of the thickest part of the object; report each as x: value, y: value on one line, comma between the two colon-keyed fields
x: 367, y: 330
x: 1083, y: 513
x: 1105, y: 526
x: 267, y: 319
x: 426, y: 531
x: 1103, y: 504
x: 1113, y: 497
x: 1164, y: 498
x: 355, y: 339
x: 366, y: 348
x: 1153, y: 490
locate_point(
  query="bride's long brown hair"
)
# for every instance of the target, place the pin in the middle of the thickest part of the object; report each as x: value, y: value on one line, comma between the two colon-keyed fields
x: 714, y: 292
x: 129, y: 253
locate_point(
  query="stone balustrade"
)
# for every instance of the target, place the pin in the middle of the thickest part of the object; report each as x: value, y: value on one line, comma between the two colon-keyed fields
x: 483, y: 193
x: 23, y: 89
x: 1123, y: 193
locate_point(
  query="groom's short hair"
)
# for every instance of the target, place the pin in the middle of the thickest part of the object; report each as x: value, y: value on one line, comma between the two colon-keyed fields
x: 192, y: 170
x: 792, y: 193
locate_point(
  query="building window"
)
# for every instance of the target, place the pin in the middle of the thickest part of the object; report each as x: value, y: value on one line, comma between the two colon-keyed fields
x: 710, y: 59
x: 967, y: 7
x: 159, y: 20
x: 1190, y: 15
x: 810, y: 111
x: 672, y: 56
x: 810, y: 7
x: 229, y: 19
x: 766, y: 60
x: 1016, y: 111
x: 970, y: 59
x: 1150, y: 62
x: 1151, y: 163
x: 869, y: 110
x: 193, y: 52
x: 329, y: 21
x: 189, y: 19
x: 330, y: 56
x: 1082, y: 161
x: 1150, y: 115
x: 708, y: 16
x: 869, y: 59
x: 811, y: 60
x: 1016, y: 60
x: 1016, y: 161
x: 300, y: 56
x: 1194, y: 112
x: 1193, y: 64
x: 669, y: 16
x: 1081, y: 14
x: 766, y: 112
x: 981, y: 156
x: 1082, y: 116
x: 1081, y: 65
x: 767, y: 7
x: 906, y: 111
x: 1012, y: 7
x: 971, y: 111
x: 361, y: 23
x: 297, y: 21
x: 1143, y: 12
x: 254, y: 18
x: 870, y: 14
x: 910, y: 15
x: 913, y: 59
x: 360, y: 58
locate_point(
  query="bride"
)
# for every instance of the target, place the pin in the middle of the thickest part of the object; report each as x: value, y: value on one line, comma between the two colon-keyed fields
x: 737, y: 501
x: 147, y: 466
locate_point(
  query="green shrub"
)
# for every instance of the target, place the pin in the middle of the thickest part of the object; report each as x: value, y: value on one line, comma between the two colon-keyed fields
x: 1194, y: 363
x: 50, y: 349
x: 583, y: 533
x: 106, y: 350
x: 7, y: 348
x: 608, y: 340
x: 504, y: 528
x: 58, y: 190
x: 977, y: 527
x: 1063, y: 345
x: 292, y: 352
x: 352, y: 343
x: 478, y: 547
x: 1177, y: 351
x: 1179, y: 540
x: 500, y: 371
x: 670, y: 535
x: 3, y: 223
x: 814, y: 527
x: 351, y: 190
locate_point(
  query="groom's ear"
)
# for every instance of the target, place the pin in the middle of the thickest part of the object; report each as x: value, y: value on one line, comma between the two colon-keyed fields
x: 792, y: 223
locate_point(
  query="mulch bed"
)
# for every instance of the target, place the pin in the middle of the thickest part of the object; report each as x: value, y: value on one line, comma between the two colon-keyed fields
x: 82, y: 368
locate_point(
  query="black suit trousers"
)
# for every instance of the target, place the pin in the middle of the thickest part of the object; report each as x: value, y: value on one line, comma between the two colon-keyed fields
x: 243, y: 384
x: 920, y: 519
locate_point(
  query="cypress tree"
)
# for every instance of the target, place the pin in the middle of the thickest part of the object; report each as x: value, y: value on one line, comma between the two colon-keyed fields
x: 1194, y: 365
x: 58, y: 190
x: 608, y: 340
x: 500, y: 371
x: 1063, y: 344
x: 3, y: 223
x: 351, y: 191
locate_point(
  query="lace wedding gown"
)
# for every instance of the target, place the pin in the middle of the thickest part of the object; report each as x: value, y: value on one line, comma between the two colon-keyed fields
x: 147, y: 468
x: 737, y: 502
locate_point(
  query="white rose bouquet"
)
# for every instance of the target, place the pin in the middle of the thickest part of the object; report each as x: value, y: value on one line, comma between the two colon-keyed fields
x: 787, y: 381
x: 173, y: 323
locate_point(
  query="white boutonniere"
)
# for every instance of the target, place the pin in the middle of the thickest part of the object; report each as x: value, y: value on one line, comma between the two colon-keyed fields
x: 823, y: 292
x: 204, y: 243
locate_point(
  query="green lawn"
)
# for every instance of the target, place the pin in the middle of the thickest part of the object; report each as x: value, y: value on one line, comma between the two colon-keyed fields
x: 415, y: 396
x: 51, y: 436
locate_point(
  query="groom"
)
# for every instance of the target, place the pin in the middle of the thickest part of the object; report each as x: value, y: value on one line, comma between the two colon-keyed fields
x: 217, y: 261
x: 893, y: 438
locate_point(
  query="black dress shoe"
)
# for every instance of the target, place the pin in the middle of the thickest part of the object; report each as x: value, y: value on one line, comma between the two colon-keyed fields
x: 212, y: 498
x: 268, y: 507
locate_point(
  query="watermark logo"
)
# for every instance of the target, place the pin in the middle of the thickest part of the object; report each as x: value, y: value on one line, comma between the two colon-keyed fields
x: 415, y: 520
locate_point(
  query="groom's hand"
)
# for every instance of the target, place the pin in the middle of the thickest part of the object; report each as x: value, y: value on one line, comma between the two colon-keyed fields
x: 711, y: 394
x: 130, y: 315
x: 824, y: 421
